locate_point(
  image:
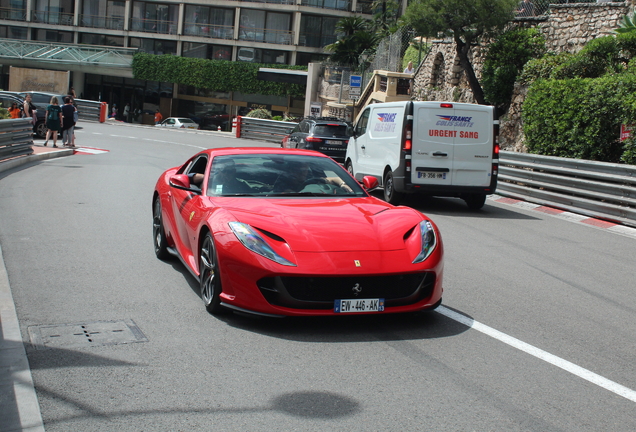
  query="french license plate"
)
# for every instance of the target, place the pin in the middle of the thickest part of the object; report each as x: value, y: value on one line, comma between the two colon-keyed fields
x: 431, y: 175
x: 330, y: 148
x: 358, y: 305
x: 332, y: 142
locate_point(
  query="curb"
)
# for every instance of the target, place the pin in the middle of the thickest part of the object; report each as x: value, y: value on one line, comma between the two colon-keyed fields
x: 568, y: 216
x: 23, y: 160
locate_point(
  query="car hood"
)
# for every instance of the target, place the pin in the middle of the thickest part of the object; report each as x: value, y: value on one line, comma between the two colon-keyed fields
x: 334, y: 225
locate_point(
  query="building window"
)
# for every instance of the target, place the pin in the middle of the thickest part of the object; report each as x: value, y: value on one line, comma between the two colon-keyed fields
x: 329, y: 4
x: 261, y: 26
x: 8, y: 32
x: 43, y: 35
x: 303, y: 59
x: 317, y: 31
x: 100, y: 39
x: 154, y: 46
x: 58, y: 12
x: 13, y: 10
x: 257, y: 55
x: 154, y: 18
x: 207, y: 51
x: 209, y: 22
x: 102, y: 14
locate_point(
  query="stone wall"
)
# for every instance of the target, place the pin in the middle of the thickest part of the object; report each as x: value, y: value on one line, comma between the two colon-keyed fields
x: 566, y: 27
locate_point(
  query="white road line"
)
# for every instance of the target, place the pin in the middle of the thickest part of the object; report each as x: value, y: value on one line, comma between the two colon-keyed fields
x: 540, y: 354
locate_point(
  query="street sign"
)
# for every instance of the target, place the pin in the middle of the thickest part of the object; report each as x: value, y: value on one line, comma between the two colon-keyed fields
x: 355, y: 81
x: 354, y: 91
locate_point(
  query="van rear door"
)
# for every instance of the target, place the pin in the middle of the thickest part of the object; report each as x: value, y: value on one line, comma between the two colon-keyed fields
x: 452, y: 144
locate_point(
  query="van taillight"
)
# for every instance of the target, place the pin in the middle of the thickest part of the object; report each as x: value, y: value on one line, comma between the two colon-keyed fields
x: 313, y: 139
x: 408, y: 135
x: 445, y: 105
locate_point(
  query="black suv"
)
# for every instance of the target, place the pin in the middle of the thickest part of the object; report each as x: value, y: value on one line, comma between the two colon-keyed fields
x: 325, y: 134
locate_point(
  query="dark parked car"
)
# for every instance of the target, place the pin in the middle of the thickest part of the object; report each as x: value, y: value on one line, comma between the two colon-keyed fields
x: 41, y: 100
x: 326, y: 135
x: 7, y: 98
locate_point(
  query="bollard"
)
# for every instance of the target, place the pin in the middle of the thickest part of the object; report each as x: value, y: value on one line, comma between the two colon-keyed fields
x: 219, y: 128
x: 234, y: 126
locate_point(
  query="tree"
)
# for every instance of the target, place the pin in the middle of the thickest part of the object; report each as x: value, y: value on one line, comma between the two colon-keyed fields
x: 357, y: 37
x: 464, y: 20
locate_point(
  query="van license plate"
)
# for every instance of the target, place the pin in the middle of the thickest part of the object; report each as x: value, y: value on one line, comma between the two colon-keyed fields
x: 332, y: 142
x: 431, y: 175
x: 358, y: 305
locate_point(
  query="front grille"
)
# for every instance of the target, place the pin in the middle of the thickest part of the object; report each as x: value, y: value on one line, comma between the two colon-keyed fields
x: 317, y: 292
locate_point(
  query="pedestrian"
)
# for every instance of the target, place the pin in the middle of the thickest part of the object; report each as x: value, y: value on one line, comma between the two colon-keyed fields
x: 113, y: 113
x: 71, y: 92
x: 127, y: 113
x: 158, y: 117
x: 29, y: 110
x: 409, y: 68
x: 15, y: 111
x: 68, y: 122
x: 53, y: 120
x: 526, y: 9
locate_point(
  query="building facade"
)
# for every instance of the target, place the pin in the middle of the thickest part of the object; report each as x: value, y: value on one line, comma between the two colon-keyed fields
x: 291, y: 32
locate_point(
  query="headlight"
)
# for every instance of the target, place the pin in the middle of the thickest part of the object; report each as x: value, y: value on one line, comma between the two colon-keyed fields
x: 429, y: 241
x: 257, y: 244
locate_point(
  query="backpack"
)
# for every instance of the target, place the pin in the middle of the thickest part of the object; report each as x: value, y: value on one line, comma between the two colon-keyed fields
x: 53, y: 115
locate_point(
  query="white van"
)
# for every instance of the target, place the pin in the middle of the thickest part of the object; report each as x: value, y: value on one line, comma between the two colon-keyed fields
x: 434, y: 148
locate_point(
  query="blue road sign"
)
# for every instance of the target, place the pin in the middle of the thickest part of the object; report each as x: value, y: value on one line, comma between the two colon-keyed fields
x: 355, y: 81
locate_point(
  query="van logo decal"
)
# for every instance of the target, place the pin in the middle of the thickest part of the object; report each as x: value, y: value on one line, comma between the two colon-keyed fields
x: 386, y: 122
x: 456, y: 121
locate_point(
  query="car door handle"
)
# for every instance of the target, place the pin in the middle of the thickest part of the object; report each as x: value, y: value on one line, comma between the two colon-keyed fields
x: 439, y: 153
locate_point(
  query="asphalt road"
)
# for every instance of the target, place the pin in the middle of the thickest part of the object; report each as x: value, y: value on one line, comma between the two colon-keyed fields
x: 549, y: 345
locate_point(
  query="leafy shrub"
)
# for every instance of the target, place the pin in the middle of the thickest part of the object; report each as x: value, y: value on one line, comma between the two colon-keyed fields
x: 4, y: 114
x: 505, y: 59
x: 413, y: 53
x: 216, y: 75
x: 260, y: 113
x: 542, y: 68
x: 579, y: 118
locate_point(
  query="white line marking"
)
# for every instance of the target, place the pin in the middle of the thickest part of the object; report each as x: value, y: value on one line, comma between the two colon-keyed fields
x: 540, y: 354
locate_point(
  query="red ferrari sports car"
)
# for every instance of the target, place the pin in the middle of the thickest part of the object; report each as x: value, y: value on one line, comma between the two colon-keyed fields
x: 284, y: 232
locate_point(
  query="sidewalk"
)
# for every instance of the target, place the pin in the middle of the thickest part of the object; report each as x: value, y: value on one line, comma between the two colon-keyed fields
x: 39, y: 153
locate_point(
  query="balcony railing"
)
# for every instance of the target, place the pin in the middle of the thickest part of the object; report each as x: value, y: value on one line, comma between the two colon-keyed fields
x: 57, y: 18
x: 153, y: 26
x: 344, y: 5
x: 208, y: 30
x: 13, y: 14
x: 316, y: 40
x: 286, y: 2
x: 285, y: 37
x: 100, y: 21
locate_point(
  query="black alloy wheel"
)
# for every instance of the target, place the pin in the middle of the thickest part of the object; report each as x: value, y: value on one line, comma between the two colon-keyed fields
x: 158, y: 234
x: 209, y: 277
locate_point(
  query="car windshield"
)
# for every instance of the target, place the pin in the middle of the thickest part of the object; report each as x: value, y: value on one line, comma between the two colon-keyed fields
x: 278, y: 175
x: 331, y: 130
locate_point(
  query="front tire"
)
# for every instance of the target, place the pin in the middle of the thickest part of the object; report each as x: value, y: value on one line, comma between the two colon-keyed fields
x: 350, y: 168
x: 390, y: 194
x: 158, y: 233
x: 41, y: 129
x: 210, y: 281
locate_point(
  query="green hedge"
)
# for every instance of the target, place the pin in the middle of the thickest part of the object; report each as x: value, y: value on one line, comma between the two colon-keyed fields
x: 216, y: 75
x: 580, y: 118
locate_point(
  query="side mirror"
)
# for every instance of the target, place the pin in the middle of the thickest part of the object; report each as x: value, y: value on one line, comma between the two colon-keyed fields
x: 369, y: 182
x: 182, y: 181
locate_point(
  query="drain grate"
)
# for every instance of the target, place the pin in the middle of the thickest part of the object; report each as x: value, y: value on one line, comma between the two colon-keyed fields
x: 97, y: 333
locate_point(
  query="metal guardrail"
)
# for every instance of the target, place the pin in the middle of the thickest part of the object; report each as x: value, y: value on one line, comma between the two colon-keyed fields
x: 88, y: 109
x: 597, y: 189
x: 16, y: 138
x: 264, y: 130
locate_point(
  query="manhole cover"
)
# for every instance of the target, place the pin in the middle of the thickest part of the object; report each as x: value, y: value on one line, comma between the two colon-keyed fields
x: 97, y: 333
